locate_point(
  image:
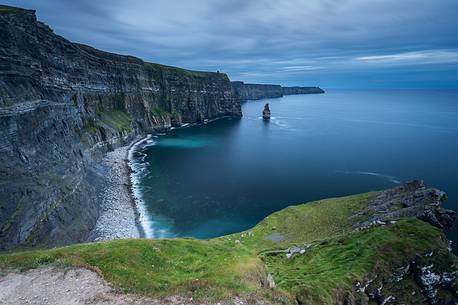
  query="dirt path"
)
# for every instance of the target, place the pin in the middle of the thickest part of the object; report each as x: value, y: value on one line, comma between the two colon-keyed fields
x: 78, y: 286
x: 51, y: 286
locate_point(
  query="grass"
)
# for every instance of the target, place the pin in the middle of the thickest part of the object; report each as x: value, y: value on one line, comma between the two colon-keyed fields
x: 186, y: 72
x: 158, y: 112
x: 216, y: 269
x: 8, y: 9
x: 117, y: 119
x: 157, y: 267
x: 305, y: 223
x: 336, y: 264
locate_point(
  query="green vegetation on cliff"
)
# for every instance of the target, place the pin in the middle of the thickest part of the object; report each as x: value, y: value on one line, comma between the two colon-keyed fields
x: 159, y: 112
x: 327, y: 271
x: 117, y: 119
x: 8, y: 9
x: 190, y: 73
x: 333, y: 263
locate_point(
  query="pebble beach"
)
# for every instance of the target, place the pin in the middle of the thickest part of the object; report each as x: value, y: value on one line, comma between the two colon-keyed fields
x: 118, y: 213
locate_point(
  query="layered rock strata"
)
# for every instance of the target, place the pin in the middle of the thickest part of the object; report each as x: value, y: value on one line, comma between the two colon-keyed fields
x: 63, y: 106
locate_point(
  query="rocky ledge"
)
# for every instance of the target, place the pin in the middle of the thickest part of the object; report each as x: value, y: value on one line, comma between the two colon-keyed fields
x: 411, y: 200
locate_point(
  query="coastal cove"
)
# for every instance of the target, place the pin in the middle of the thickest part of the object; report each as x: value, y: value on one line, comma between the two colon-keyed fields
x: 225, y: 176
x: 193, y: 153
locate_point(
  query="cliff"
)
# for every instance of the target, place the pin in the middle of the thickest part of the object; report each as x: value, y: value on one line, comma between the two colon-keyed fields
x: 383, y: 248
x: 62, y: 106
x: 260, y: 91
x: 301, y: 90
x: 256, y: 91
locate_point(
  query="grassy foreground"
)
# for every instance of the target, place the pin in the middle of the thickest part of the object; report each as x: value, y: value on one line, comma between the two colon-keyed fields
x: 335, y: 258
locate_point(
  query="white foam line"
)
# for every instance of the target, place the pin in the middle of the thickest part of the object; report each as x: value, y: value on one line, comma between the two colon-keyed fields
x: 443, y: 128
x: 145, y: 221
x: 392, y: 179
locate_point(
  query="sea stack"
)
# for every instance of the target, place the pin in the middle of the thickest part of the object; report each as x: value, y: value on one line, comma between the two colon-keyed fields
x: 266, y: 113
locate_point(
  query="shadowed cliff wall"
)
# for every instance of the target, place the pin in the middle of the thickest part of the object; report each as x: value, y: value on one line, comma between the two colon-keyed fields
x: 62, y: 106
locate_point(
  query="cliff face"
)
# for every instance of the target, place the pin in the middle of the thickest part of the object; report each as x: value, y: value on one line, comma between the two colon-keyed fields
x: 62, y: 106
x: 259, y: 91
x: 301, y: 90
x: 256, y: 91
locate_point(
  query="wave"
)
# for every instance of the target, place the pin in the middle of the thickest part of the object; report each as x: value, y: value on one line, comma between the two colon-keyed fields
x: 282, y: 124
x: 136, y: 171
x: 404, y: 124
x: 154, y: 226
x: 391, y: 179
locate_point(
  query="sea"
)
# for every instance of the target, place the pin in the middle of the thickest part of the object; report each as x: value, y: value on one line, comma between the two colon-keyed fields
x: 225, y: 176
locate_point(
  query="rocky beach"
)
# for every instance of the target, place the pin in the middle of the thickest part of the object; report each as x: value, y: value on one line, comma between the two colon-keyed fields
x: 119, y: 216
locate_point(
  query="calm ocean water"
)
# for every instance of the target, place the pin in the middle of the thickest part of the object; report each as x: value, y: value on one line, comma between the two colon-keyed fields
x: 223, y: 177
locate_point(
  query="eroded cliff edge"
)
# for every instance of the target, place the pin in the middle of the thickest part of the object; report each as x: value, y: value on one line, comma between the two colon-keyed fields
x: 62, y: 106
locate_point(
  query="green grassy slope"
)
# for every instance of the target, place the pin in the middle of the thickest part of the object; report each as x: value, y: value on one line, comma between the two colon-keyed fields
x: 335, y: 258
x: 156, y: 267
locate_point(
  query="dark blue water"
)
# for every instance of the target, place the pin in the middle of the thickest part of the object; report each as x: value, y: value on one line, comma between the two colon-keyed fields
x: 210, y: 180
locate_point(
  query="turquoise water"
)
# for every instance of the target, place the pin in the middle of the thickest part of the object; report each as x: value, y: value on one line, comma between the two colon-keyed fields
x: 225, y: 176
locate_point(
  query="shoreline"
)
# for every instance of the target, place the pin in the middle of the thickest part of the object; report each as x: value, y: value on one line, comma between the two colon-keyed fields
x: 144, y: 224
x: 135, y: 202
x: 120, y: 217
x: 122, y: 212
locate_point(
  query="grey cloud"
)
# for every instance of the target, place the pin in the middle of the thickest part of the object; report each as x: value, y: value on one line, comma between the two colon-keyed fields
x: 290, y: 41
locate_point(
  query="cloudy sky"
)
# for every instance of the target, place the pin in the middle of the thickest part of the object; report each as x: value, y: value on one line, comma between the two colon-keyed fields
x: 331, y: 43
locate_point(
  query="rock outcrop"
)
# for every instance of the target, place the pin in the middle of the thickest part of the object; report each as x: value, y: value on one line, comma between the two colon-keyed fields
x: 259, y: 91
x: 266, y: 113
x: 410, y: 200
x: 62, y: 106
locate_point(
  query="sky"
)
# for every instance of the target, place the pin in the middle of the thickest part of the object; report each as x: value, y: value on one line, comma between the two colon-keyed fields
x: 327, y: 43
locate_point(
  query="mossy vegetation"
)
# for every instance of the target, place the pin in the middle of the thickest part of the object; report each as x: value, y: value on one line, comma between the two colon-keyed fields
x: 8, y: 9
x: 176, y: 116
x: 162, y: 115
x: 159, y: 112
x: 117, y: 119
x: 335, y: 258
x: 186, y: 72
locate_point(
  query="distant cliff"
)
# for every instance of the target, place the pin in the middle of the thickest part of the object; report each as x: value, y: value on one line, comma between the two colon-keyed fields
x: 62, y: 106
x: 261, y: 91
x: 256, y: 91
x: 301, y: 90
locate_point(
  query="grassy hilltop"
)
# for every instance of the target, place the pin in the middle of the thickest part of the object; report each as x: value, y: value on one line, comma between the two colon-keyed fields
x: 332, y: 263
